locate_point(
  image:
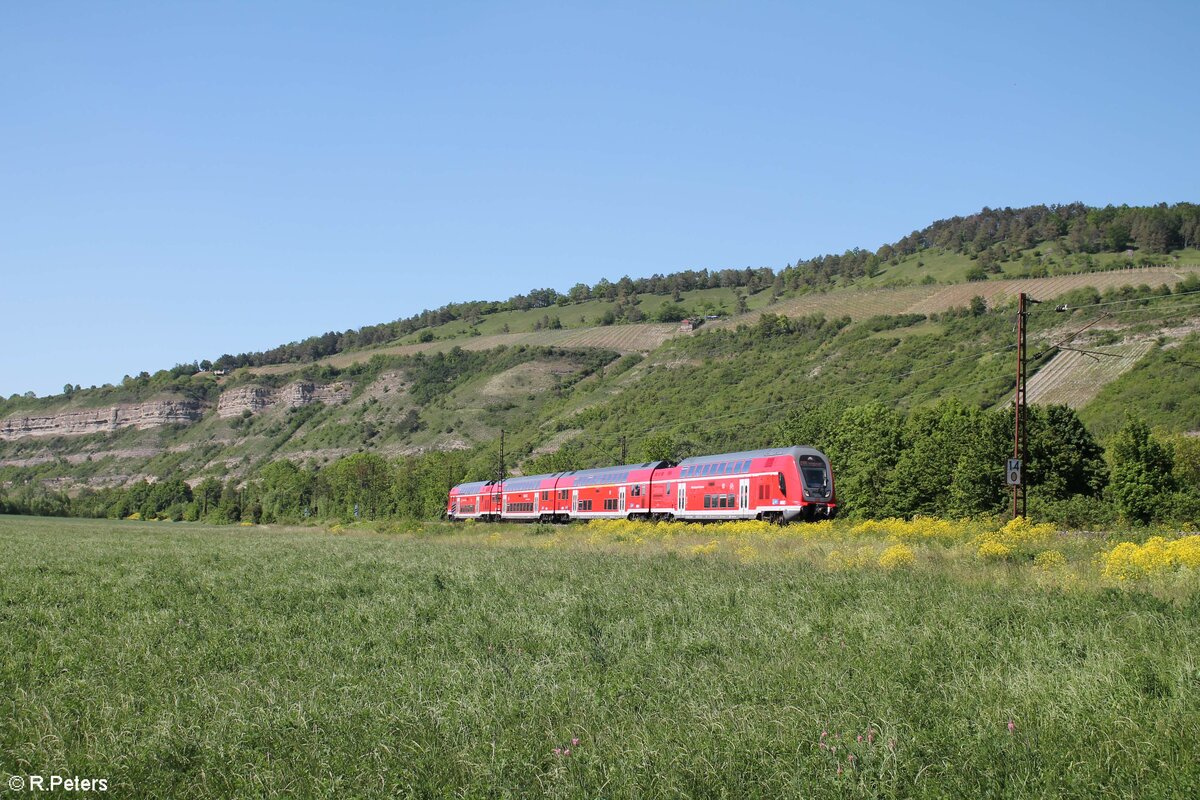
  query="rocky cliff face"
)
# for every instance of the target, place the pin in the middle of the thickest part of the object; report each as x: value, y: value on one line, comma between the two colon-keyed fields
x: 258, y: 398
x: 171, y: 411
x: 77, y: 422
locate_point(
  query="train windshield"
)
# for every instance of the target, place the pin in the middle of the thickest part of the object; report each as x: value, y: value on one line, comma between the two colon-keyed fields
x: 814, y: 477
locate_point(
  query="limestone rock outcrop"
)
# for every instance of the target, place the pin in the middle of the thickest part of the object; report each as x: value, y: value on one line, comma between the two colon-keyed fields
x: 81, y: 421
x: 259, y: 398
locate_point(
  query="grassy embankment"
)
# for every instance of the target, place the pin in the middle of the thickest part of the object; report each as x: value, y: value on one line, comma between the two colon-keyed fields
x: 671, y: 661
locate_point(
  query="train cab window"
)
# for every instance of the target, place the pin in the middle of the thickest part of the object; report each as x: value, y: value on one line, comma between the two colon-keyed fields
x: 782, y: 485
x: 814, y: 476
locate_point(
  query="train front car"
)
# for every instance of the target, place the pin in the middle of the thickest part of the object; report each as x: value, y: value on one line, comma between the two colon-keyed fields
x: 780, y: 484
x: 817, y: 500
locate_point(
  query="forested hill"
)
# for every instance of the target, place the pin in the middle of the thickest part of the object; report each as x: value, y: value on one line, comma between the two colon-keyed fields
x: 781, y: 357
x: 991, y: 238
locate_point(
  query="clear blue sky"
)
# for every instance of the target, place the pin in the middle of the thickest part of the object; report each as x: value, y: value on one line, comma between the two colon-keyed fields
x: 180, y: 180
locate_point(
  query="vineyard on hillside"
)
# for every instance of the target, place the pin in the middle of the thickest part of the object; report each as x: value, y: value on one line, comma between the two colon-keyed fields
x: 1073, y: 378
x: 996, y: 292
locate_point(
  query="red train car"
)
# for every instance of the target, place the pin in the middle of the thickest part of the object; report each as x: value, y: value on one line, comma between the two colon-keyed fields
x: 779, y: 484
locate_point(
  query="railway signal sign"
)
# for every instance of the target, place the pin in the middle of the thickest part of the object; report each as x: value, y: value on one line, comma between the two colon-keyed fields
x: 1014, y: 472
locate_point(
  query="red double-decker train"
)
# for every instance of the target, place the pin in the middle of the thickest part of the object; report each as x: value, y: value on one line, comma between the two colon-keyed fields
x: 778, y: 484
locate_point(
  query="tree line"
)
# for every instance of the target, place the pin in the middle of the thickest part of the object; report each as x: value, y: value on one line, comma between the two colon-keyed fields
x: 946, y: 459
x: 997, y: 235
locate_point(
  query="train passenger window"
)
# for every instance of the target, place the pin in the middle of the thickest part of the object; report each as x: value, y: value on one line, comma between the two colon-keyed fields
x: 731, y: 500
x: 721, y: 501
x: 637, y: 490
x: 708, y: 501
x: 562, y: 495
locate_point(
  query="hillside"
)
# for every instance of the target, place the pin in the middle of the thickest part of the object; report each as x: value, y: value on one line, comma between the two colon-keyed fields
x: 578, y: 379
x: 1037, y: 241
x: 575, y: 393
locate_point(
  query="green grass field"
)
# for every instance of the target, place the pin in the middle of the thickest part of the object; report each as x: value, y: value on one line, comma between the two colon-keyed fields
x: 192, y: 661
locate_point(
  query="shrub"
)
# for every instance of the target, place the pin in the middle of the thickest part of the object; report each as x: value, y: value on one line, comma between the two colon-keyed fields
x: 1130, y: 561
x: 1018, y: 537
x: 897, y: 556
x: 1049, y: 559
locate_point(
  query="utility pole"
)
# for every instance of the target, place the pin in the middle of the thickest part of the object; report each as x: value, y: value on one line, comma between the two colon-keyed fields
x: 1015, y: 471
x: 500, y: 474
x: 624, y: 452
x: 500, y: 478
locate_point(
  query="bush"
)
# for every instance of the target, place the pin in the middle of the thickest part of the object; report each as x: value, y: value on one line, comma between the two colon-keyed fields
x: 1078, y: 511
x: 898, y: 556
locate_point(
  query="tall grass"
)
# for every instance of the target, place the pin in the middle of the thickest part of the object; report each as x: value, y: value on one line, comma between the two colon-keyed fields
x: 182, y: 660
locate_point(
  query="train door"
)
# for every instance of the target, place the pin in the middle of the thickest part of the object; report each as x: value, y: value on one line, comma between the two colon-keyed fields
x: 621, y: 500
x: 744, y: 494
x: 682, y: 498
x: 575, y: 501
x: 537, y: 502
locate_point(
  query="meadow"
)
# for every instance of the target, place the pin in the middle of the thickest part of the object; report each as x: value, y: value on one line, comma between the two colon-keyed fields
x: 881, y: 659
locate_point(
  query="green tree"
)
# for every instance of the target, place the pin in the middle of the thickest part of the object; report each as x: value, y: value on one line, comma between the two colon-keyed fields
x: 207, y: 496
x: 866, y: 443
x: 359, y: 486
x: 1063, y: 458
x: 1141, y: 472
x: 285, y: 492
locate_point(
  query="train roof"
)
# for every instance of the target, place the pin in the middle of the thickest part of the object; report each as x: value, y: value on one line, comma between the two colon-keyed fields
x: 525, y: 483
x: 794, y: 452
x: 471, y: 488
x: 604, y: 475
